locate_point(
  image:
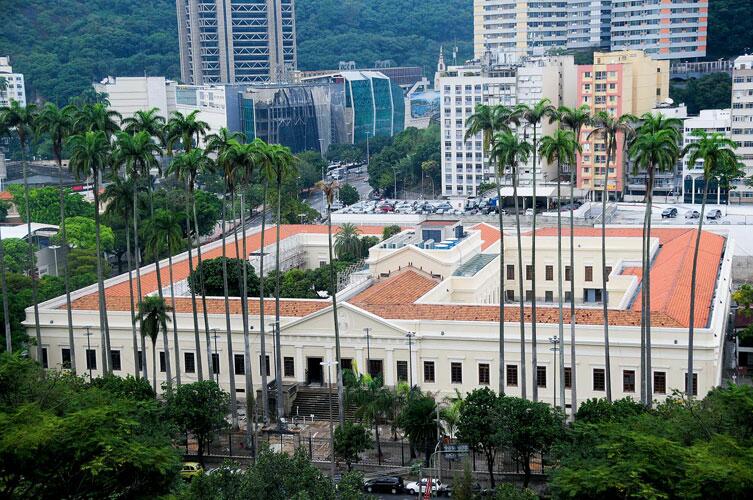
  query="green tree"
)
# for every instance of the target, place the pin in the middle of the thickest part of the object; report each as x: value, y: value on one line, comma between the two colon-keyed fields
x: 348, y: 194
x: 310, y: 168
x: 44, y: 204
x: 390, y: 231
x: 350, y: 440
x: 712, y: 91
x: 417, y: 419
x: 153, y: 315
x: 16, y: 255
x: 372, y: 400
x: 600, y: 410
x: 199, y: 409
x: 82, y: 234
x: 212, y: 270
x: 478, y: 425
x: 347, y: 242
x: 278, y: 476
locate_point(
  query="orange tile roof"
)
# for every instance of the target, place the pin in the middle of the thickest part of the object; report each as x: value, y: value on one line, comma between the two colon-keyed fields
x: 118, y: 294
x: 489, y: 234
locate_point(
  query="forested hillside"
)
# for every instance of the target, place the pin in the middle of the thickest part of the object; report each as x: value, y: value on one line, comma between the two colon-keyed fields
x: 63, y: 45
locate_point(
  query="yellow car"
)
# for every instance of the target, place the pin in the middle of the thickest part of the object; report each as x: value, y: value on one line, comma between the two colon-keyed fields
x: 191, y: 470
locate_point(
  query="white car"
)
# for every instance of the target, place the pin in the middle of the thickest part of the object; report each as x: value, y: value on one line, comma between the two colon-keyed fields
x: 416, y: 487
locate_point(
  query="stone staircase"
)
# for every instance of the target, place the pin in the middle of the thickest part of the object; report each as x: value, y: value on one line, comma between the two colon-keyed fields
x: 315, y: 401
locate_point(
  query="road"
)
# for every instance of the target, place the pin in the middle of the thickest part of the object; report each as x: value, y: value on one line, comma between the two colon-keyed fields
x: 360, y: 182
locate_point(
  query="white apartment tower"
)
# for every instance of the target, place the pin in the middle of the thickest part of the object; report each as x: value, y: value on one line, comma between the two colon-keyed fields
x: 13, y: 88
x: 711, y: 121
x: 465, y: 164
x: 666, y: 29
x: 742, y: 120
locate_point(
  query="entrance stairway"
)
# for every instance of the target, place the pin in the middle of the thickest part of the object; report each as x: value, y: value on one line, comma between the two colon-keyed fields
x: 314, y: 400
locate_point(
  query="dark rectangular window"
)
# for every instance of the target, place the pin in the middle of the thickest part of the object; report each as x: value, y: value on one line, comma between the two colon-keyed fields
x: 550, y: 273
x: 609, y: 271
x: 599, y: 381
x: 216, y: 363
x: 456, y: 373
x: 402, y: 371
x: 510, y: 272
x: 529, y: 272
x: 512, y: 375
x: 347, y: 363
x: 695, y: 383
x: 568, y: 377
x: 510, y: 295
x: 483, y: 374
x: 288, y: 367
x: 190, y: 362
x: 589, y: 273
x: 541, y: 376
x: 141, y: 360
x: 239, y: 364
x: 115, y: 360
x: 66, y: 354
x: 549, y: 296
x: 660, y: 382
x: 529, y: 295
x: 628, y: 380
x: 375, y: 368
x: 162, y: 361
x: 91, y: 359
x: 45, y: 364
x: 429, y: 371
x: 265, y: 364
x: 567, y: 296
x: 568, y: 273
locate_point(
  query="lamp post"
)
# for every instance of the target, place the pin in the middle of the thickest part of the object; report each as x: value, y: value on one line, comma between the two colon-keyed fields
x: 54, y: 249
x: 410, y: 336
x: 368, y: 351
x: 329, y: 365
x: 555, y: 348
x: 88, y: 350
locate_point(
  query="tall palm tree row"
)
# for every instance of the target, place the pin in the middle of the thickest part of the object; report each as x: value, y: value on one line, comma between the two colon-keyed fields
x: 717, y: 153
x: 612, y: 130
x: 533, y: 115
x: 488, y: 120
x: 510, y: 151
x: 574, y: 119
x: 153, y: 314
x: 656, y: 147
x: 561, y: 147
x: 330, y: 189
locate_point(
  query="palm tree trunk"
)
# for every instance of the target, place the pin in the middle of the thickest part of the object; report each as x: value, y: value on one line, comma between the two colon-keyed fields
x: 644, y: 252
x: 154, y: 365
x: 262, y: 318
x: 573, y: 378
x: 230, y: 356
x: 205, y: 312
x: 194, y: 309
x: 176, y: 345
x: 376, y: 434
x: 6, y: 314
x: 278, y: 355
x: 32, y: 270
x: 333, y: 286
x: 523, y: 381
x: 133, y: 305
x: 647, y: 279
x: 250, y: 397
x: 66, y: 278
x: 137, y: 255
x: 534, y: 361
x: 501, y: 292
x: 604, y: 298
x: 158, y: 272
x: 691, y: 320
x: 561, y: 319
x: 106, y: 362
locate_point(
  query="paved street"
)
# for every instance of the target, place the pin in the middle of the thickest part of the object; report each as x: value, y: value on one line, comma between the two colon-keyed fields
x: 360, y: 182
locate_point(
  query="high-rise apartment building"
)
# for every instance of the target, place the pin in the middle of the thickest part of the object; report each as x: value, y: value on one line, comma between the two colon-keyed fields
x: 742, y: 121
x: 666, y: 29
x: 13, y: 89
x: 465, y: 164
x: 712, y: 121
x: 618, y: 83
x: 236, y: 41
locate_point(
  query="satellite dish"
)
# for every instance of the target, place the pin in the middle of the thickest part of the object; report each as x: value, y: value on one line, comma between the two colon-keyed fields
x: 669, y: 101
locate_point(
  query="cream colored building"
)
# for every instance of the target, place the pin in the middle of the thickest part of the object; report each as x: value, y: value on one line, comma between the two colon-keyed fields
x: 429, y: 301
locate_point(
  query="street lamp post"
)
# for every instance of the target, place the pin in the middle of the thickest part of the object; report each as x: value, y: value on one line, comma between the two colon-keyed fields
x: 54, y: 249
x: 555, y: 347
x: 410, y: 336
x: 88, y: 350
x: 329, y: 365
x: 368, y: 351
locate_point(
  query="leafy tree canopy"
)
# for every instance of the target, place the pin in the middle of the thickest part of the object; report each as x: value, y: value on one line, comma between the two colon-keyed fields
x: 16, y: 257
x: 44, y: 204
x: 80, y: 232
x: 712, y: 91
x: 350, y: 440
x: 349, y: 194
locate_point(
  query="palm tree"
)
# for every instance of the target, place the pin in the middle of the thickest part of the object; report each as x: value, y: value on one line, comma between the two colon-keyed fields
x: 655, y: 148
x: 23, y: 120
x: 486, y: 121
x: 533, y: 115
x: 372, y: 400
x: 185, y: 129
x: 163, y: 232
x: 89, y: 156
x: 186, y: 167
x: 223, y: 144
x: 57, y: 123
x: 574, y: 119
x: 347, y: 243
x: 329, y: 189
x: 283, y: 166
x: 145, y: 121
x: 718, y: 154
x: 560, y: 147
x: 97, y: 118
x: 153, y: 314
x: 509, y: 151
x: 610, y: 129
x: 117, y: 196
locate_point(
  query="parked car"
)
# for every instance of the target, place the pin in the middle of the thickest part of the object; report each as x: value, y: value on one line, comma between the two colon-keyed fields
x: 437, y: 487
x: 669, y: 213
x: 692, y: 214
x: 714, y: 214
x: 191, y: 470
x: 384, y: 484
